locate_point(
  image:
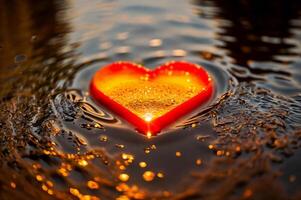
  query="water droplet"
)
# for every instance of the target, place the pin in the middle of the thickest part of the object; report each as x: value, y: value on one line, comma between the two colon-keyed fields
x: 178, y: 153
x: 103, y: 138
x: 74, y: 191
x: 122, y: 167
x: 97, y: 125
x: 148, y: 176
x: 50, y: 192
x: 122, y: 197
x: 128, y: 157
x: 155, y: 42
x: 142, y: 164
x: 39, y: 177
x: 219, y: 153
x: 92, y: 185
x: 121, y: 146
x: 44, y: 187
x: 160, y: 175
x: 124, y: 177
x: 198, y: 162
x: 49, y: 183
x: 238, y: 149
x: 13, y: 185
x: 179, y: 53
x: 83, y: 163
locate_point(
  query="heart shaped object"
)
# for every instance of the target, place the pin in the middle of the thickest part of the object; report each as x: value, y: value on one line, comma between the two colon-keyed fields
x: 151, y: 99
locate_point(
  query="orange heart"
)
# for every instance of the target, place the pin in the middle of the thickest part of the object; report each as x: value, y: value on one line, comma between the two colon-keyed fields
x: 151, y: 99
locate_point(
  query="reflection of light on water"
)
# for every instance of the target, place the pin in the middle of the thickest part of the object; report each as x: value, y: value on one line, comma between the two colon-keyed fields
x: 155, y: 43
x: 142, y: 164
x: 148, y: 117
x: 92, y: 185
x: 148, y: 176
x: 148, y: 134
x: 124, y: 177
x: 179, y: 53
x: 178, y: 154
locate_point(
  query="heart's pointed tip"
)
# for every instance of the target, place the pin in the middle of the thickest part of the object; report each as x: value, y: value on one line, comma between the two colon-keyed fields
x: 149, y: 135
x: 149, y: 129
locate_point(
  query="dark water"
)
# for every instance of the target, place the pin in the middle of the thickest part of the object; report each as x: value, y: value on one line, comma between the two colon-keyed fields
x: 56, y: 143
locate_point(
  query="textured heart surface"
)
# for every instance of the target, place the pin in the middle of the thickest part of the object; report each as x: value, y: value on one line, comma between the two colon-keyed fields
x: 151, y: 99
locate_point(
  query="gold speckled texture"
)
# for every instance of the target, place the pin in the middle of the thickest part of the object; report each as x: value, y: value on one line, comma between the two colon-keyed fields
x: 150, y: 99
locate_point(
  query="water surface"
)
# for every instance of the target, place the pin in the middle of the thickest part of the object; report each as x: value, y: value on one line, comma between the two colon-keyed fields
x: 57, y: 143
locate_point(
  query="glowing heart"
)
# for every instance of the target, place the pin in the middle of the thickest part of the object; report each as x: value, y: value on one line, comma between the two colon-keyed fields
x: 151, y: 99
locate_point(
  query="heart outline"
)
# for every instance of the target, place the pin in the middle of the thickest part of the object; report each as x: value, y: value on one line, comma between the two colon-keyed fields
x: 155, y: 126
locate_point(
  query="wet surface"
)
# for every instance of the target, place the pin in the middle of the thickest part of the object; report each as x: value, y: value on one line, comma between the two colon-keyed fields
x: 57, y: 143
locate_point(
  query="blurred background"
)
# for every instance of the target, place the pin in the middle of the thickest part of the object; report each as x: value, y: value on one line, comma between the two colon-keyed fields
x: 57, y: 143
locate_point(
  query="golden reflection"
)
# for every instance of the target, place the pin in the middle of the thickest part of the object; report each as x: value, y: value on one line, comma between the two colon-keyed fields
x: 160, y: 175
x: 124, y: 177
x: 148, y: 117
x: 120, y: 146
x: 75, y: 192
x: 127, y: 157
x: 148, y: 134
x: 148, y: 176
x: 179, y: 53
x: 122, y: 197
x: 50, y: 192
x: 155, y: 43
x: 39, y: 177
x: 130, y: 192
x: 82, y: 163
x: 178, y: 154
x: 122, y: 167
x: 220, y: 153
x: 198, y: 162
x: 49, y: 183
x: 13, y: 185
x: 142, y: 164
x: 103, y: 138
x: 92, y: 185
x: 238, y: 149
